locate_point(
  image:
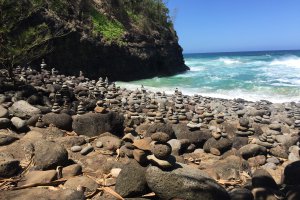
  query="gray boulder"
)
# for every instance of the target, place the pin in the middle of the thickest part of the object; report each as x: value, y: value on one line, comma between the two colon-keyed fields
x: 131, y: 181
x: 184, y: 182
x: 49, y: 155
x: 93, y: 124
x: 23, y: 109
x: 62, y: 121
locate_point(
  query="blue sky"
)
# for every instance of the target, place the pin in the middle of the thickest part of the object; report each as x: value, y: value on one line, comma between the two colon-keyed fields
x: 236, y: 25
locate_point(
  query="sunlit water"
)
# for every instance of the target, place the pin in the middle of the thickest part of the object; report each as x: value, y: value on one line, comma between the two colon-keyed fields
x: 273, y: 76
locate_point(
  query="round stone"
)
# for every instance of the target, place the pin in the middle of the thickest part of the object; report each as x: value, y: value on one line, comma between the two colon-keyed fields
x: 76, y: 148
x: 161, y: 151
x: 99, y: 144
x: 244, y: 122
x: 160, y: 137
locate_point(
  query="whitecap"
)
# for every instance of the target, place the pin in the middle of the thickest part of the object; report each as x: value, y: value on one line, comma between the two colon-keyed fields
x: 229, y: 61
x: 287, y: 61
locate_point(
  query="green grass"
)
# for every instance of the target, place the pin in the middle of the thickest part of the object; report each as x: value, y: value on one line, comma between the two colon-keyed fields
x: 111, y: 30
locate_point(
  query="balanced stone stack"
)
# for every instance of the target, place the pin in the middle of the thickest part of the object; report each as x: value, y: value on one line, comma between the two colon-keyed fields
x: 81, y: 109
x: 244, y: 130
x: 56, y: 108
x: 266, y: 119
x: 220, y: 118
x: 266, y: 139
x: 257, y: 119
x: 161, y: 151
x: 195, y: 123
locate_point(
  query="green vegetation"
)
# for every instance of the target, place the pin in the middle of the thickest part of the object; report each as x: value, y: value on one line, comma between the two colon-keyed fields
x: 148, y: 14
x: 111, y: 30
x: 22, y: 40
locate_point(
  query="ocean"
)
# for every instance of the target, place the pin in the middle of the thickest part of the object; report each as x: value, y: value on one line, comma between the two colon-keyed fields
x: 253, y: 76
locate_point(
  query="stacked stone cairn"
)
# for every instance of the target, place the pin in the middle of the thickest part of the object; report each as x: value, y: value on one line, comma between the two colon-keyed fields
x: 244, y: 129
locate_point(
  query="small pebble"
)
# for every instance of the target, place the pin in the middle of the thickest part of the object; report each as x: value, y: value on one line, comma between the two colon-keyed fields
x: 99, y: 144
x: 76, y: 148
x: 86, y: 150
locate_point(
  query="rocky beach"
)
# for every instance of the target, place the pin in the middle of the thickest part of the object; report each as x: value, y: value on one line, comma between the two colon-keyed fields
x: 70, y: 137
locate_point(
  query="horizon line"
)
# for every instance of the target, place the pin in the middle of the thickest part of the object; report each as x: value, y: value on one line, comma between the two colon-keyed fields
x: 215, y: 52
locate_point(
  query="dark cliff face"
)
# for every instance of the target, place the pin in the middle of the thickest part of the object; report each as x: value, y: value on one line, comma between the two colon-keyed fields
x: 106, y: 38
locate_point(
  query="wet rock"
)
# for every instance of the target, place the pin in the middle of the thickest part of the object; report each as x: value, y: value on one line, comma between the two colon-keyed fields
x: 131, y: 181
x: 94, y: 124
x: 184, y: 182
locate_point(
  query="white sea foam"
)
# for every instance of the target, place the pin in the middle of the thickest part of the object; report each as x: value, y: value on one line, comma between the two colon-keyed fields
x: 229, y: 61
x: 287, y: 61
x: 259, y: 93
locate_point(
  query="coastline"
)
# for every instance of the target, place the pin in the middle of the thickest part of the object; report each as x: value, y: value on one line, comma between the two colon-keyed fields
x: 78, y: 132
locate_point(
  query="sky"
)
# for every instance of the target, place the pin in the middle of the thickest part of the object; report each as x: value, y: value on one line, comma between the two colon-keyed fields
x: 236, y: 25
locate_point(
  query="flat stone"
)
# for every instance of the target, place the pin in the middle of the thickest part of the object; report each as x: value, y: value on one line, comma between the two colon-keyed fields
x: 39, y: 193
x: 71, y: 170
x: 34, y: 177
x: 167, y: 163
x: 83, y: 181
x: 177, y: 184
x: 76, y: 148
x: 143, y: 144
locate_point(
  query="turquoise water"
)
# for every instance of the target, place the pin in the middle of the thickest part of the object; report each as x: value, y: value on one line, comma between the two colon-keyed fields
x: 273, y: 76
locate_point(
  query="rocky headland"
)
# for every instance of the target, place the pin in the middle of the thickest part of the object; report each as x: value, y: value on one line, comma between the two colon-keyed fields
x: 120, y: 39
x: 71, y: 137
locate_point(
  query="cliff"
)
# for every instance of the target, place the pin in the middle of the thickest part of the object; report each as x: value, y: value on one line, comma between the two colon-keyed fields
x: 120, y: 39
